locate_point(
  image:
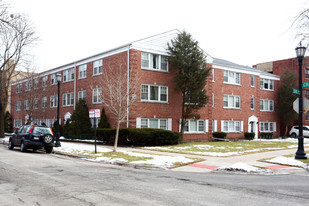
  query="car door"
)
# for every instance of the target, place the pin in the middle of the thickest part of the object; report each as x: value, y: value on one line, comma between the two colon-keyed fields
x: 16, y: 136
x: 305, y: 131
x: 22, y: 134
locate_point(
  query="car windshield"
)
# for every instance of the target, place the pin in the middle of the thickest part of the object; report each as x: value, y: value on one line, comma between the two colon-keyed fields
x: 42, y: 130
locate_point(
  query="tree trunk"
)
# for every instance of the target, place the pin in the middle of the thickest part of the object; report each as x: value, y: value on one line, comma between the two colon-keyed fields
x: 182, y: 123
x: 116, y: 137
x: 286, y: 130
x: 1, y: 121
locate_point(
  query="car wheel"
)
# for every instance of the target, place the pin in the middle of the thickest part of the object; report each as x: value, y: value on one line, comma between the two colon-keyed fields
x: 11, y: 145
x: 48, y: 139
x: 23, y: 147
x: 49, y: 150
x: 293, y: 135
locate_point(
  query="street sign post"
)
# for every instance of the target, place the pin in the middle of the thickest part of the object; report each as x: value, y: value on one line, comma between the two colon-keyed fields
x: 95, y: 113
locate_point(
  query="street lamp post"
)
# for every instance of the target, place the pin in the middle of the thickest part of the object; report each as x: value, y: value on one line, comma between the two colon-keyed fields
x: 58, y: 77
x: 300, y: 53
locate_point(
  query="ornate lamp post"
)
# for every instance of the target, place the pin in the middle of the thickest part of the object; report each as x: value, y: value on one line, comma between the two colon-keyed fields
x: 300, y: 53
x: 57, y: 144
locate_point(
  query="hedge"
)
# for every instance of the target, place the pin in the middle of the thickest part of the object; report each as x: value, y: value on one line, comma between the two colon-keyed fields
x: 220, y: 135
x: 267, y: 135
x: 137, y: 137
x: 249, y: 135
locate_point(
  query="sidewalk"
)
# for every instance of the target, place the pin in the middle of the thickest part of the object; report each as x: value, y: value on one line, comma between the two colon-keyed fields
x: 211, y: 163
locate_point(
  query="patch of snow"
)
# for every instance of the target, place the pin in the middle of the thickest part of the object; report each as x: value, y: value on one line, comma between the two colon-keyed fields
x: 241, y: 167
x: 288, y: 161
x: 164, y: 161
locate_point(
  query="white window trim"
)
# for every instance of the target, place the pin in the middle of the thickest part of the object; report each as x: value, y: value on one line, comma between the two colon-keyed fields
x: 99, y: 100
x: 159, y: 62
x: 67, y: 97
x: 268, y: 109
x: 228, y: 106
x: 44, y: 102
x: 253, y: 103
x: 205, y: 126
x: 270, y: 82
x: 81, y: 96
x: 168, y: 122
x: 241, y: 126
x: 68, y: 73
x: 44, y: 81
x: 53, y: 79
x: 100, y: 65
x: 18, y: 106
x: 53, y: 101
x: 159, y: 93
x: 253, y: 80
x: 36, y: 106
x: 262, y: 127
x: 231, y: 81
x: 82, y: 69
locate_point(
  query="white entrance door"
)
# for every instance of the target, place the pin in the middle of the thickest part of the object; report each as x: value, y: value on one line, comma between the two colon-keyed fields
x: 253, y: 125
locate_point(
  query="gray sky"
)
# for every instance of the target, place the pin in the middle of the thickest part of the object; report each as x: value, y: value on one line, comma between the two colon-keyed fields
x: 242, y: 31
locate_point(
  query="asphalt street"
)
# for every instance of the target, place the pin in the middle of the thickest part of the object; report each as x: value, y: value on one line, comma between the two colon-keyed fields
x: 37, y: 178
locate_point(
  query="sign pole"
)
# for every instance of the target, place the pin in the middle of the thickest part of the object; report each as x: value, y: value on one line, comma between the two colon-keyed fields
x: 95, y: 136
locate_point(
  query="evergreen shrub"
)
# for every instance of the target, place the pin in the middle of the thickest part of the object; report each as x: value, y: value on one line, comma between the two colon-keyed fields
x: 219, y: 135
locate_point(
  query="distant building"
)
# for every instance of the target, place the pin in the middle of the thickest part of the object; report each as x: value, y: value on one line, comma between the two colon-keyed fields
x: 241, y: 98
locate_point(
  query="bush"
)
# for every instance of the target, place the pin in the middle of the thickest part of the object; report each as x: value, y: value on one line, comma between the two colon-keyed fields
x: 249, y: 135
x: 55, y: 127
x: 220, y: 135
x: 267, y: 135
x: 139, y: 137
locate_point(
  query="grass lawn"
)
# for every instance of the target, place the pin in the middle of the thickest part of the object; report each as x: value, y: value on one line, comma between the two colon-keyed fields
x: 226, y: 148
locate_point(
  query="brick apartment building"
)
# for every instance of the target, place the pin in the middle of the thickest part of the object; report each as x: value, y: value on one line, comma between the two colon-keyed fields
x: 241, y: 98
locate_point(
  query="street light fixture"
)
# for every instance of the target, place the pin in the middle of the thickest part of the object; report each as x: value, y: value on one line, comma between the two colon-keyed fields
x: 300, y: 53
x: 57, y: 144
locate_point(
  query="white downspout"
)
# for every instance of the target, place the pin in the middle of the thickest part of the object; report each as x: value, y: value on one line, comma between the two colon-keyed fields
x: 75, y: 76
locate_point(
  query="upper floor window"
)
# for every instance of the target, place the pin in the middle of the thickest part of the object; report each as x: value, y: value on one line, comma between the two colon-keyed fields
x: 44, y: 102
x: 267, y: 126
x: 36, y: 103
x: 19, y: 88
x: 36, y: 83
x: 154, y: 61
x: 252, y: 80
x: 97, y: 67
x: 231, y: 77
x: 82, y: 71
x: 231, y: 126
x: 252, y: 103
x: 18, y: 106
x: 267, y: 84
x: 97, y: 96
x: 68, y: 99
x: 154, y: 93
x: 266, y: 105
x: 26, y: 104
x: 28, y: 85
x: 54, y: 101
x: 53, y: 79
x: 82, y: 95
x: 44, y: 81
x: 306, y: 93
x: 68, y: 75
x: 307, y: 73
x: 231, y: 101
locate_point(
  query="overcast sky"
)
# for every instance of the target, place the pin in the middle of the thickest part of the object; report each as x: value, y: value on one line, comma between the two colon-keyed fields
x: 246, y: 32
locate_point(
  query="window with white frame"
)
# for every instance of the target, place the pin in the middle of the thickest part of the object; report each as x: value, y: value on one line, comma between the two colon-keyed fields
x: 267, y: 84
x: 267, y: 126
x: 17, y: 123
x: 154, y: 123
x: 252, y: 80
x: 28, y: 85
x: 44, y: 102
x: 306, y: 73
x: 82, y: 71
x: 53, y: 79
x: 18, y: 106
x: 231, y: 126
x: 68, y: 99
x: 36, y: 83
x: 252, y: 103
x: 97, y: 67
x: 68, y: 75
x: 36, y: 103
x: 194, y: 126
x: 231, y: 101
x: 26, y: 105
x: 154, y: 61
x: 231, y: 77
x: 97, y: 96
x: 266, y: 105
x: 19, y: 88
x: 154, y: 93
x: 54, y: 101
x: 44, y: 81
x: 82, y: 95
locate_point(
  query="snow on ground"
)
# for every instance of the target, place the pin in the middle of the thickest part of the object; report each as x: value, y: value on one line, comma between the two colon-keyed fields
x: 242, y: 167
x: 288, y: 161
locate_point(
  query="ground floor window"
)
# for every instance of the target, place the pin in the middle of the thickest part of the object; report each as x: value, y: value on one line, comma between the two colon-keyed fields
x: 17, y: 123
x: 267, y: 126
x: 231, y: 126
x: 156, y: 123
x: 195, y: 126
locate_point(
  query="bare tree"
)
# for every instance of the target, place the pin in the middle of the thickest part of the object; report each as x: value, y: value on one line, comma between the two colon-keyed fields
x: 119, y: 90
x: 16, y: 35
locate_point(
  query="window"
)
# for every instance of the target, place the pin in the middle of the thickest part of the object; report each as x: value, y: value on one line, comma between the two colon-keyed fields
x: 97, y: 95
x: 68, y: 99
x: 82, y: 71
x: 68, y: 75
x: 28, y: 85
x: 26, y: 104
x: 44, y: 81
x: 97, y: 67
x: 266, y: 105
x: 231, y: 126
x: 154, y: 61
x: 36, y: 83
x: 17, y: 123
x: 82, y: 95
x: 231, y: 77
x: 19, y: 88
x: 252, y: 103
x: 96, y: 122
x: 194, y: 126
x: 35, y: 103
x: 267, y: 126
x: 252, y: 81
x: 18, y: 106
x: 231, y: 101
x: 267, y: 84
x: 306, y: 73
x: 44, y: 102
x: 154, y: 123
x: 154, y: 93
x: 54, y: 101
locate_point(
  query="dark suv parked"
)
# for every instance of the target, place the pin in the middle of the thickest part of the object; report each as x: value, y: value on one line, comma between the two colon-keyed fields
x: 33, y: 137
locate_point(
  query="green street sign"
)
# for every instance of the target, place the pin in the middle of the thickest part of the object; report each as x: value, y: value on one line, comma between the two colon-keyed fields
x: 296, y: 91
x: 305, y: 84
